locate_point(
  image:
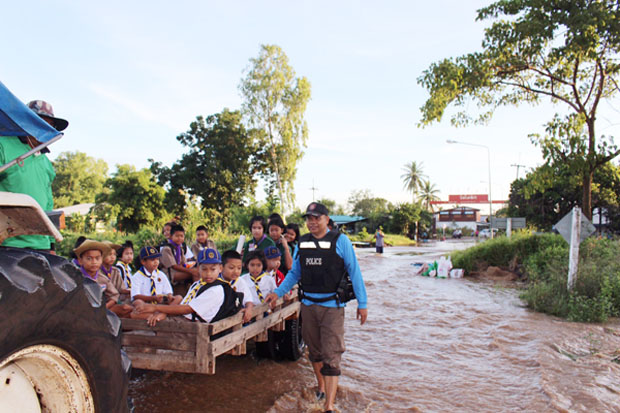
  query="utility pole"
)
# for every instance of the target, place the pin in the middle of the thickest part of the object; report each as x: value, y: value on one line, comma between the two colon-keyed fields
x: 313, y: 189
x: 516, y: 165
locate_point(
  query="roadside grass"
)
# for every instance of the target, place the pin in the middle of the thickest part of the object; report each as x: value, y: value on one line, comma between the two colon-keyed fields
x: 542, y: 261
x: 394, y: 240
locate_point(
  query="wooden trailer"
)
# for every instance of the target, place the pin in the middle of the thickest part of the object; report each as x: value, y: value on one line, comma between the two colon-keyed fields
x: 183, y: 346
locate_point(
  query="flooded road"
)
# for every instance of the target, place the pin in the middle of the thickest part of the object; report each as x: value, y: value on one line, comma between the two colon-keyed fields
x: 430, y: 345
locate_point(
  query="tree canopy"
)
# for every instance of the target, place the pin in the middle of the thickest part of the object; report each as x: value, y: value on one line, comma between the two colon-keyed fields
x: 136, y: 199
x: 220, y: 167
x: 275, y: 102
x: 562, y: 50
x: 413, y: 177
x: 549, y: 192
x: 79, y: 178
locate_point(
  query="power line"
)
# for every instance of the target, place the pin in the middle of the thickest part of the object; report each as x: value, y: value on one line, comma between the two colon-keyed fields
x: 517, y: 166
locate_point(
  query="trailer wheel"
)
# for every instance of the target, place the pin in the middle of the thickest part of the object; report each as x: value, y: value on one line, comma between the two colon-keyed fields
x: 292, y: 344
x: 59, y: 346
x: 268, y: 349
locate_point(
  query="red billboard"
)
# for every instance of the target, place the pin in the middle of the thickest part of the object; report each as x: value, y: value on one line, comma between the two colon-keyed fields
x: 469, y: 198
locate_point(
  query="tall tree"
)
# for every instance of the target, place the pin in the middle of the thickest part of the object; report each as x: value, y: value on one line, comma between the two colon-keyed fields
x: 135, y: 197
x: 562, y: 50
x: 220, y: 167
x: 428, y: 194
x: 412, y: 178
x: 79, y: 178
x: 332, y: 206
x: 275, y: 102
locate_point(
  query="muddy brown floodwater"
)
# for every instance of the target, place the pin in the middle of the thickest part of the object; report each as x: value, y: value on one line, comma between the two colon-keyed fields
x: 430, y: 345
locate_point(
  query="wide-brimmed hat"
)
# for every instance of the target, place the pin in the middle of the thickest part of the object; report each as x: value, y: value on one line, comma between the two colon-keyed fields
x: 42, y: 108
x: 316, y: 209
x: 90, y: 244
x: 112, y: 245
x: 209, y: 256
x: 148, y: 252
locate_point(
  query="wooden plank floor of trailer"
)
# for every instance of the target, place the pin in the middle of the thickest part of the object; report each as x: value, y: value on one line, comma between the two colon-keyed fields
x: 186, y: 347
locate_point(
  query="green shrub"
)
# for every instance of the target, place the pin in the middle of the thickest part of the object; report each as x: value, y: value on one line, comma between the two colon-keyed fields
x: 596, y: 294
x: 544, y: 260
x: 503, y: 252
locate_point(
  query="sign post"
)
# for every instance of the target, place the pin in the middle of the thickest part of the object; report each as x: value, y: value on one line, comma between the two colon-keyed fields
x: 573, y: 256
x: 574, y: 227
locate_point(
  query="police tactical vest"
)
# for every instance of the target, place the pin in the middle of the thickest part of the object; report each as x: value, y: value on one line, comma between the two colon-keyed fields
x: 322, y: 268
x: 230, y: 306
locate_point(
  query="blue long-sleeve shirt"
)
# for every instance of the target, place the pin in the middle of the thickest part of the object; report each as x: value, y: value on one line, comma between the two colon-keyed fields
x: 345, y: 250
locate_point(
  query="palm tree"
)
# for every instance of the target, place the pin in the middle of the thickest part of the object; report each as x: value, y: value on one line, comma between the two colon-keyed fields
x: 412, y: 177
x: 428, y: 194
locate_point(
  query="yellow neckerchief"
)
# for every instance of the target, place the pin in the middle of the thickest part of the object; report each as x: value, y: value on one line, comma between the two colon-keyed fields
x: 127, y: 274
x: 258, y: 291
x: 257, y: 279
x: 194, y: 291
x: 231, y: 283
x: 152, y: 279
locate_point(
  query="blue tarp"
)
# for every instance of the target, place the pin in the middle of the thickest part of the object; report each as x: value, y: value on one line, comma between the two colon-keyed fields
x: 16, y: 119
x: 346, y: 219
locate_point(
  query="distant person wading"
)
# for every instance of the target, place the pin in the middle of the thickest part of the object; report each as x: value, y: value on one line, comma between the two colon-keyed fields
x: 322, y: 260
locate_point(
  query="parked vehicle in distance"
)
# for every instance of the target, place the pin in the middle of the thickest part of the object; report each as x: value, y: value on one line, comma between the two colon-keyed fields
x: 486, y: 233
x: 457, y: 233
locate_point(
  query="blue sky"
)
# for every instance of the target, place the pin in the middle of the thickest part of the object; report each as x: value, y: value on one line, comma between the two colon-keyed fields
x: 131, y: 76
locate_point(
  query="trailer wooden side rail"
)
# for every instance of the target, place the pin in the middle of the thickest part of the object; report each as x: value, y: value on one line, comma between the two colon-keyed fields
x: 186, y: 347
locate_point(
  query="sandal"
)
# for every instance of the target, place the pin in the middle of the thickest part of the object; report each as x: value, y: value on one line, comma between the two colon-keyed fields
x: 320, y: 395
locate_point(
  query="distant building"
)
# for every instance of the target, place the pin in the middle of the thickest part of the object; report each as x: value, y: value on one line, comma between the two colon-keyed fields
x: 459, y: 217
x: 81, y: 209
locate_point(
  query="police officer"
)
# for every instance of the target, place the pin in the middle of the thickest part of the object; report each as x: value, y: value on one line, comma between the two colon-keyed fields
x: 323, y: 258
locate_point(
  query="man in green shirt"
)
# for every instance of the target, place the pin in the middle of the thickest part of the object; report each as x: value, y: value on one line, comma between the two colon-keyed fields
x: 33, y: 176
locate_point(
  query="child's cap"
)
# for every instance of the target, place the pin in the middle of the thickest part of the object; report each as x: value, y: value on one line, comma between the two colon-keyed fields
x: 209, y: 256
x: 272, y: 252
x: 148, y: 252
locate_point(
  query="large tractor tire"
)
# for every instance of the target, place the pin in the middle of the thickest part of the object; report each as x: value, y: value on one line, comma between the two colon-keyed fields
x: 59, y: 346
x: 291, y: 344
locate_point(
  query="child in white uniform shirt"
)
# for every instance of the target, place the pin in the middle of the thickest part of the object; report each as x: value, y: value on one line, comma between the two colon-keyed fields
x: 231, y: 271
x: 148, y: 284
x: 207, y: 300
x: 261, y: 283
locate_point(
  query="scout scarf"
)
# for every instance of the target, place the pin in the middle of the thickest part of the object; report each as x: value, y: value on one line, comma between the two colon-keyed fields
x: 258, y: 291
x: 125, y: 272
x: 177, y: 250
x: 87, y: 275
x: 193, y: 291
x: 105, y: 271
x: 254, y: 244
x: 231, y: 283
x: 152, y: 278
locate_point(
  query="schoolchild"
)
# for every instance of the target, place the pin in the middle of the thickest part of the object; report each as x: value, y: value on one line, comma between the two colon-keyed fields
x: 150, y: 285
x: 173, y: 259
x: 78, y: 242
x: 292, y: 235
x: 274, y: 257
x: 202, y: 241
x: 231, y: 272
x: 125, y: 258
x: 166, y: 229
x: 259, y: 240
x: 209, y: 299
x: 90, y: 257
x: 114, y: 274
x: 261, y: 284
x: 276, y: 229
